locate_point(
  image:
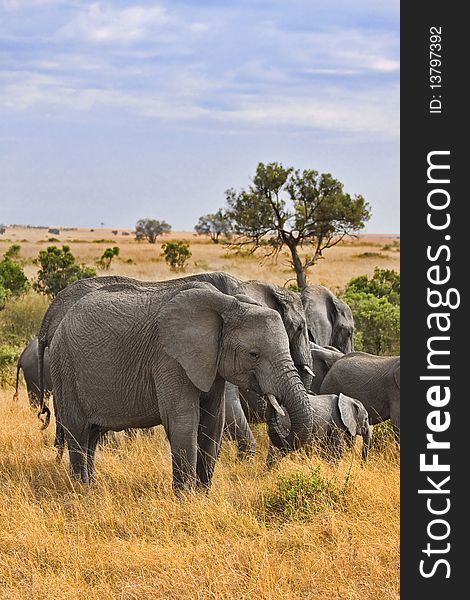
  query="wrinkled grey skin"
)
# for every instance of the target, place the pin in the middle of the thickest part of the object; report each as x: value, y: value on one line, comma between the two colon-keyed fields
x: 323, y: 359
x: 28, y: 363
x: 285, y: 302
x: 374, y: 380
x: 247, y: 407
x: 133, y: 356
x: 329, y: 319
x: 337, y: 420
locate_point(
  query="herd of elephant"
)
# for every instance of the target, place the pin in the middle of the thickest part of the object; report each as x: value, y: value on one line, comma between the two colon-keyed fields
x: 201, y: 355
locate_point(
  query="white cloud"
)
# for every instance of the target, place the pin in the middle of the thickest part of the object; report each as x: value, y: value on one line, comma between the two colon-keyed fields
x: 372, y: 111
x: 103, y: 23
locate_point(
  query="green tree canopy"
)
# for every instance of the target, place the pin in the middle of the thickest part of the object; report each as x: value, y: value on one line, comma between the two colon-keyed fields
x: 215, y: 225
x: 383, y: 283
x: 150, y: 229
x: 58, y: 269
x: 296, y: 209
x: 375, y: 304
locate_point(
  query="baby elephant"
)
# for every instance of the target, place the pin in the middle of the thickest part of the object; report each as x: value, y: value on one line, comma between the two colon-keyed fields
x: 337, y: 421
x: 28, y: 363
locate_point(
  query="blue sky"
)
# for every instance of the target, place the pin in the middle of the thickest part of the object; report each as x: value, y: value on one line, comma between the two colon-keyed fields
x: 115, y: 111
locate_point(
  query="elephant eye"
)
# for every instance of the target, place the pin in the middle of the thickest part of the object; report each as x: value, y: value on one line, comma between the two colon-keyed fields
x: 254, y: 354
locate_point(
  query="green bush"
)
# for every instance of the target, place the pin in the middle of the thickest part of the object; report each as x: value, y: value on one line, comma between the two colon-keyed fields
x: 12, y: 278
x: 298, y: 497
x: 13, y: 251
x: 58, y: 270
x: 176, y: 254
x: 375, y: 304
x: 106, y: 258
x: 376, y: 323
x: 383, y: 283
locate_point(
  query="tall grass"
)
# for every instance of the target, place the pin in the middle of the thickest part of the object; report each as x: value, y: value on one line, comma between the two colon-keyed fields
x: 307, y: 529
x: 128, y: 537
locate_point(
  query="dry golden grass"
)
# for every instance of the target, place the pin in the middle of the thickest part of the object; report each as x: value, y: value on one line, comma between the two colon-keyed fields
x: 127, y: 537
x: 340, y: 263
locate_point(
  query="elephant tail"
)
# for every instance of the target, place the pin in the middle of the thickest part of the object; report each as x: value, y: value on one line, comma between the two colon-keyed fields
x: 43, y: 408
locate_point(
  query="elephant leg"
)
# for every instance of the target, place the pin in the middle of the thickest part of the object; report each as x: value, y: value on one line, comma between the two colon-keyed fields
x: 395, y: 419
x: 93, y: 439
x: 181, y: 430
x: 77, y: 442
x: 211, y: 424
x: 236, y: 423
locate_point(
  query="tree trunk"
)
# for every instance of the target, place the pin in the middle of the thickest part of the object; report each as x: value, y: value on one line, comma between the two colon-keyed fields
x: 297, y: 263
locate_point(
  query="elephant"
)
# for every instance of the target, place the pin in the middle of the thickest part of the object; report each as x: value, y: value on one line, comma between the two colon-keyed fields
x: 131, y: 356
x: 337, y: 420
x: 323, y: 358
x: 28, y: 363
x: 374, y: 380
x: 329, y: 320
x: 243, y: 406
x: 285, y: 302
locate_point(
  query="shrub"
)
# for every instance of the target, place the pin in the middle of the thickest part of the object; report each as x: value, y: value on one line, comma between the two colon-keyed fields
x: 375, y: 304
x: 12, y: 277
x: 383, y: 283
x: 176, y: 254
x: 13, y: 251
x: 58, y: 270
x: 376, y: 322
x: 105, y: 261
x: 298, y: 496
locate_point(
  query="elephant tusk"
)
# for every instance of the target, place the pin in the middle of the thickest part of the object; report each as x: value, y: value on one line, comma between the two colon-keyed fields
x: 276, y: 405
x: 309, y: 370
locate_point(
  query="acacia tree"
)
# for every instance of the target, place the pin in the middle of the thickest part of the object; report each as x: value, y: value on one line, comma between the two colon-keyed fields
x: 215, y: 225
x: 300, y: 210
x: 150, y: 229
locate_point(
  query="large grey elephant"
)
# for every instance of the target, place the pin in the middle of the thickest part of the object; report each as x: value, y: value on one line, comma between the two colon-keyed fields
x: 28, y: 363
x: 329, y: 320
x: 374, y: 380
x: 135, y: 356
x: 337, y: 419
x: 285, y: 302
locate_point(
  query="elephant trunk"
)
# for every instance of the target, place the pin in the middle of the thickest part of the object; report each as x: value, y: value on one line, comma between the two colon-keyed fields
x: 365, y: 442
x: 296, y: 402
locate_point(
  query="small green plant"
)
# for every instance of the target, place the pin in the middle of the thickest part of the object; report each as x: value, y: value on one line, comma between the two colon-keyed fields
x: 58, y: 270
x: 13, y: 281
x: 298, y: 497
x: 176, y: 254
x: 107, y: 257
x: 13, y: 252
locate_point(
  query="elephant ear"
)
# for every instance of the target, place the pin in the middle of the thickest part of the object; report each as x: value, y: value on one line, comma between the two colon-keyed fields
x: 190, y: 330
x: 396, y: 375
x: 349, y: 410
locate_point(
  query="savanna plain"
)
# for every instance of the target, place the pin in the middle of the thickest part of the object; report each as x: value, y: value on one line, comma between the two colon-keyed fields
x: 309, y: 528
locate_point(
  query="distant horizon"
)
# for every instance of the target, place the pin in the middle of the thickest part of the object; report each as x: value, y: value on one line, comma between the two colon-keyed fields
x: 173, y: 230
